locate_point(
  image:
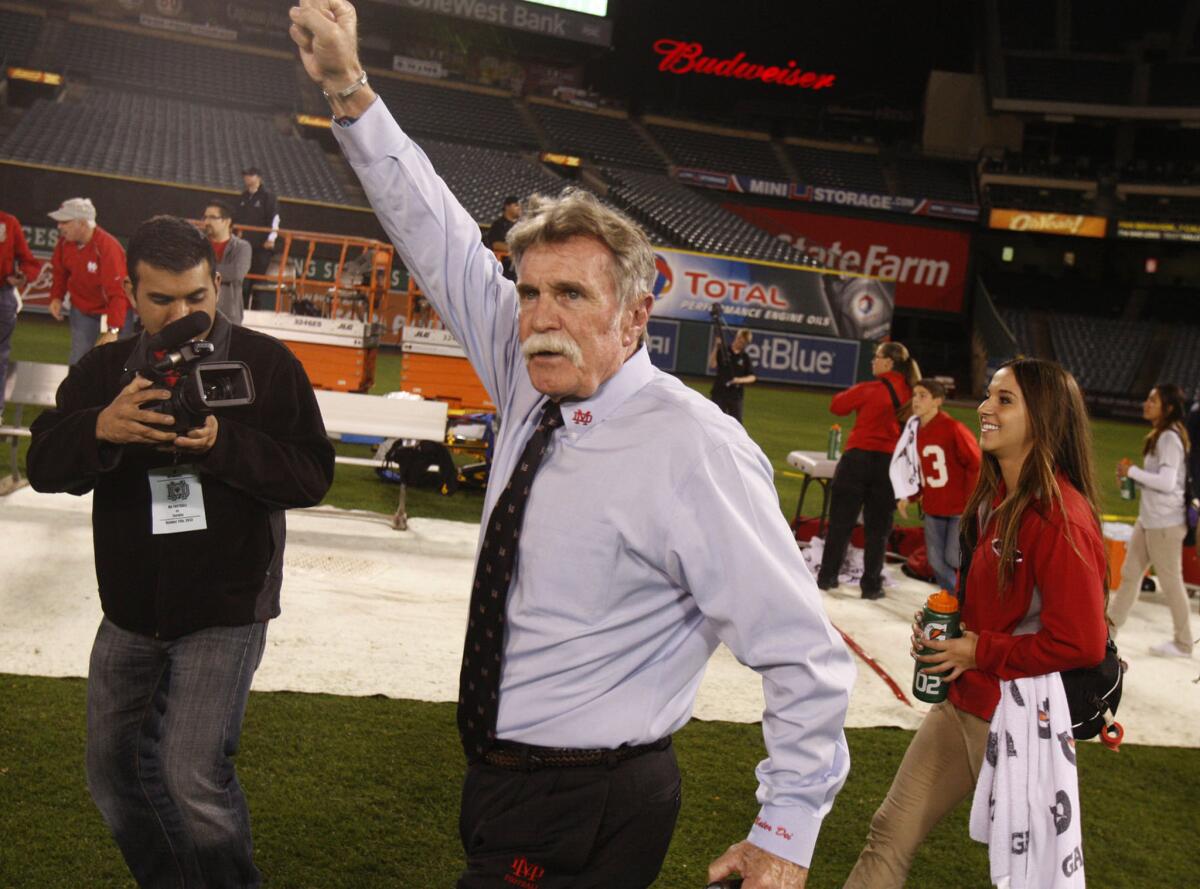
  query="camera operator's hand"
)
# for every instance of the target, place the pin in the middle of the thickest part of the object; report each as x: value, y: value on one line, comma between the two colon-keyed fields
x: 125, y: 421
x: 198, y: 440
x: 758, y: 867
x: 107, y: 337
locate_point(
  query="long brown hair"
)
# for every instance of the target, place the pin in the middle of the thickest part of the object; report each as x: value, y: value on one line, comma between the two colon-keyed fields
x: 1058, y: 424
x: 905, y: 365
x: 1174, y: 408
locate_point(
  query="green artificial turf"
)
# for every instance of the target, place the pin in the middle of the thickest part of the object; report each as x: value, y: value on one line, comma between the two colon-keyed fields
x: 363, y: 792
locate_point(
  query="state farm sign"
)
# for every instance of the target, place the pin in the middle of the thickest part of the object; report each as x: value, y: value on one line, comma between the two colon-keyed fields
x: 929, y: 265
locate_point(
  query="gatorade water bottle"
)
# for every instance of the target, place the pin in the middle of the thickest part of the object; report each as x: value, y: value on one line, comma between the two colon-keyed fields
x: 833, y: 450
x: 939, y: 620
x: 1128, y: 487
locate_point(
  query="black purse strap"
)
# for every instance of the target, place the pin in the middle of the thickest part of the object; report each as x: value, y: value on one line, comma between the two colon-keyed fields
x: 891, y: 392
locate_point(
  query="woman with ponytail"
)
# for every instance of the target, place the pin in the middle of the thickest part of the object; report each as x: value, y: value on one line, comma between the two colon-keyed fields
x: 1161, y: 524
x: 1038, y: 564
x: 861, y: 480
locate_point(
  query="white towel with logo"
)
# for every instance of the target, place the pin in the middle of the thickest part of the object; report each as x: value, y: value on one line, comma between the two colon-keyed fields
x: 905, y: 469
x: 1026, y: 804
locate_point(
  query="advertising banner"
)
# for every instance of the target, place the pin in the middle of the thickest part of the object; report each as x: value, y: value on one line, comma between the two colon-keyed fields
x: 794, y: 358
x: 928, y: 265
x: 1158, y: 230
x: 1049, y: 223
x: 772, y: 295
x: 662, y: 339
x: 521, y: 17
x: 839, y: 197
x: 419, y: 67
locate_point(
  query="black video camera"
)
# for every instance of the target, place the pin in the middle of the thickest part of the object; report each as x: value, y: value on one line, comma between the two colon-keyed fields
x: 197, y: 387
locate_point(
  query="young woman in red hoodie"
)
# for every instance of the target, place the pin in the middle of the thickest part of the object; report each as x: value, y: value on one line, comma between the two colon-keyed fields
x: 861, y: 481
x: 1039, y: 557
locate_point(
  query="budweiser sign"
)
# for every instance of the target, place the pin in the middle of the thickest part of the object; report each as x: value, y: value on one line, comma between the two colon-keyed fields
x: 684, y: 57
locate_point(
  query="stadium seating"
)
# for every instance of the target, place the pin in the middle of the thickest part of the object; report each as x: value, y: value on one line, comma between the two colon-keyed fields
x: 481, y: 177
x: 1060, y: 79
x: 713, y: 151
x: 947, y: 180
x: 129, y: 61
x: 1182, y: 363
x: 455, y: 115
x: 1153, y: 206
x: 609, y: 141
x: 1018, y: 323
x: 1175, y: 84
x: 1099, y: 350
x: 1029, y: 197
x: 851, y: 170
x: 169, y: 140
x: 18, y: 34
x: 681, y: 217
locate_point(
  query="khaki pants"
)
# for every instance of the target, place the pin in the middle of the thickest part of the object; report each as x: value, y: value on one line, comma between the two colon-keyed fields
x: 1162, y: 548
x: 938, y: 772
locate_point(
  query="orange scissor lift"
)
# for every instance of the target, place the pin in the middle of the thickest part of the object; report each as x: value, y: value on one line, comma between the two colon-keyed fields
x: 434, y: 364
x: 329, y: 321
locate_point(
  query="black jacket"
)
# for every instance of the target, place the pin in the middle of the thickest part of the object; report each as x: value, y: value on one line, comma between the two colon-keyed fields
x: 269, y: 456
x: 259, y: 209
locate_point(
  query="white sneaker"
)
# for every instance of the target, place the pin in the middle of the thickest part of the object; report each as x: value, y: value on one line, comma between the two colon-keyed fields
x: 1170, y: 648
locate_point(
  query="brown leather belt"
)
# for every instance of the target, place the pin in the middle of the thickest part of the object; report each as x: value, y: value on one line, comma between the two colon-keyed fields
x: 530, y: 758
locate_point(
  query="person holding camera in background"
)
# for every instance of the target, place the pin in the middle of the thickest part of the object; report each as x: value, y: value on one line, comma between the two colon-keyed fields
x: 188, y: 529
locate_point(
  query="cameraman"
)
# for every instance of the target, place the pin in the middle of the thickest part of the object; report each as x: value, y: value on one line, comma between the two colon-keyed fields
x: 734, y: 373
x: 188, y: 531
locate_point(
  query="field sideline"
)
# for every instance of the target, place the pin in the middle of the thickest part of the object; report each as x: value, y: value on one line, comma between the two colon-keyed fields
x: 362, y: 792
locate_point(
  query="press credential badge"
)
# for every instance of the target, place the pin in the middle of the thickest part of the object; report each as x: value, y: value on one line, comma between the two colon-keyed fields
x: 176, y: 500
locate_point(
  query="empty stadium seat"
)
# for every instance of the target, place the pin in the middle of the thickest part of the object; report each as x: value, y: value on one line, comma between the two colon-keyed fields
x: 482, y: 177
x: 170, y: 140
x: 18, y: 34
x: 850, y: 170
x: 454, y: 114
x: 1182, y: 363
x: 681, y: 217
x: 713, y: 151
x: 223, y: 77
x: 610, y: 141
x: 1060, y: 79
x: 1098, y: 351
x: 927, y: 178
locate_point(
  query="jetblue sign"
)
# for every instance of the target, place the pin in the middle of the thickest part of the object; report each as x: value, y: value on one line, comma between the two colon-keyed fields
x: 811, y: 360
x: 662, y: 340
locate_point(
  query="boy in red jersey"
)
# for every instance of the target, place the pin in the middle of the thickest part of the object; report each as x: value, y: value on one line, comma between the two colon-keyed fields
x: 949, y: 457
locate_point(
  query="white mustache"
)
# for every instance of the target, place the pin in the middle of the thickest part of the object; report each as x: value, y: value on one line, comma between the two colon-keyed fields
x: 558, y: 343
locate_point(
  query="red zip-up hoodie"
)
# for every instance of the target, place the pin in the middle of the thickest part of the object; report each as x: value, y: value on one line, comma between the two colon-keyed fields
x: 1071, y: 586
x: 875, y: 427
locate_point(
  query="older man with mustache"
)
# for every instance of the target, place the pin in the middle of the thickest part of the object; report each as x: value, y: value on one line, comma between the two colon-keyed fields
x: 630, y: 528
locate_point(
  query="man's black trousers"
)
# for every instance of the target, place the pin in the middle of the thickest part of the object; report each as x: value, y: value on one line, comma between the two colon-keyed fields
x: 860, y: 482
x: 594, y: 827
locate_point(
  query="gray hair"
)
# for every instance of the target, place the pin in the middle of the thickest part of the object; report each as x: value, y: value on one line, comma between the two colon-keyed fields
x: 579, y: 214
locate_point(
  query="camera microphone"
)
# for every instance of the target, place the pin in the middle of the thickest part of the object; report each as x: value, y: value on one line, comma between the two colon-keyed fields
x: 179, y: 332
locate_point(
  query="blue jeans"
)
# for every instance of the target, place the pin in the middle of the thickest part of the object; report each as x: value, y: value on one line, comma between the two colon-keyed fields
x: 164, y: 720
x: 85, y: 330
x: 942, y: 548
x: 8, y: 321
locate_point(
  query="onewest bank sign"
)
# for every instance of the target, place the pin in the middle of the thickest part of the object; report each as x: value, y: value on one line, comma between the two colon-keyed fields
x: 520, y: 17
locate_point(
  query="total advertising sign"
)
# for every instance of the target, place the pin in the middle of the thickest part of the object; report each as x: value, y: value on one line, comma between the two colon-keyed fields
x: 927, y: 265
x: 796, y: 358
x: 771, y: 295
x: 1077, y: 226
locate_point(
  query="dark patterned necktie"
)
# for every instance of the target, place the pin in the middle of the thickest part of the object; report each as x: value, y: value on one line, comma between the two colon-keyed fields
x: 479, y: 681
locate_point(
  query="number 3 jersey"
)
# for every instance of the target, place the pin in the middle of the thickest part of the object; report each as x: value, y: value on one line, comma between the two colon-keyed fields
x: 949, y: 465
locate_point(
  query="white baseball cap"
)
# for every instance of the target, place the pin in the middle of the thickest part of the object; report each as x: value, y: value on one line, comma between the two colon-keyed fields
x: 75, y: 208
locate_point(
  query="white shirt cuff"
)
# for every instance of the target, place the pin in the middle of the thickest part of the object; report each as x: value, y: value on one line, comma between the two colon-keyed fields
x: 786, y: 831
x: 373, y: 136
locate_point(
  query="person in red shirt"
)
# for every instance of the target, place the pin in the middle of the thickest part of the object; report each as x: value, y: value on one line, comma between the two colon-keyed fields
x: 950, y: 458
x: 88, y: 263
x: 1033, y: 527
x: 861, y: 481
x: 18, y: 267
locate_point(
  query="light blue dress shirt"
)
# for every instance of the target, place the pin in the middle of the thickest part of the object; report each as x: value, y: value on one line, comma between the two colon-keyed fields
x: 653, y: 532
